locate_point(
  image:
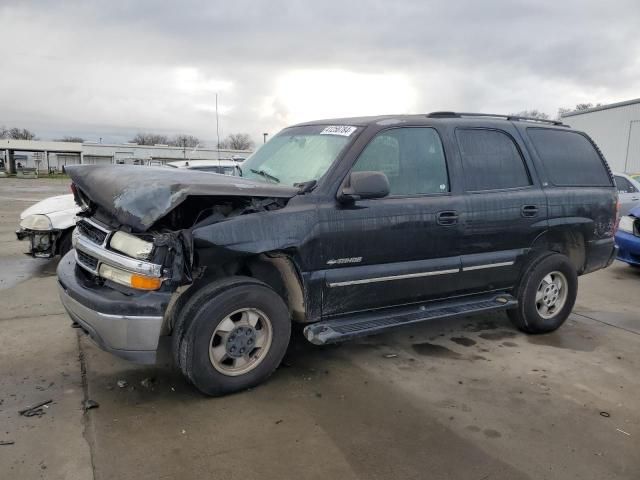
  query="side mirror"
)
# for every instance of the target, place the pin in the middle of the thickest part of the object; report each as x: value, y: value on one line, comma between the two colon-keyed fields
x: 363, y: 185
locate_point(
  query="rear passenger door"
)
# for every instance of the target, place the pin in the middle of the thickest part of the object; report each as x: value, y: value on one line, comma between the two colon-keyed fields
x: 506, y: 208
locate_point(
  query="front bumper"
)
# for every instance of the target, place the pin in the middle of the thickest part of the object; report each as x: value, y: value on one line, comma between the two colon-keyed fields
x: 628, y: 247
x: 42, y: 244
x: 128, y: 326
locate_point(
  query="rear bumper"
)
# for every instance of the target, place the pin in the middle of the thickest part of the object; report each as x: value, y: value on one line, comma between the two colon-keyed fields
x: 628, y: 248
x: 600, y: 254
x: 128, y: 326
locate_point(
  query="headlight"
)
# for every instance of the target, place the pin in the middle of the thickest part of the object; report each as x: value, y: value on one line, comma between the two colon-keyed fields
x: 129, y: 279
x: 131, y: 246
x: 626, y: 224
x: 36, y: 222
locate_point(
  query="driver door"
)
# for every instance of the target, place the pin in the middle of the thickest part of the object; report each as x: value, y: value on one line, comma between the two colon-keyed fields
x: 400, y: 249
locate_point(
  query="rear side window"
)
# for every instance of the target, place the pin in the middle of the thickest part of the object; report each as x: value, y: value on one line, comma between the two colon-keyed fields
x: 624, y: 185
x: 491, y: 160
x: 569, y: 158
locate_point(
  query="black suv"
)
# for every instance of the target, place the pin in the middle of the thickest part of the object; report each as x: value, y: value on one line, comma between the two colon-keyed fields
x: 350, y: 226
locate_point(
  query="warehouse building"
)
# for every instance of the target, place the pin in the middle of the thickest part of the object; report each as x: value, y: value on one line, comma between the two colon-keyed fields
x: 616, y: 130
x: 52, y: 157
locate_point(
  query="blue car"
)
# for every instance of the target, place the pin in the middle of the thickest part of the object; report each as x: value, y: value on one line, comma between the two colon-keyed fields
x: 628, y: 238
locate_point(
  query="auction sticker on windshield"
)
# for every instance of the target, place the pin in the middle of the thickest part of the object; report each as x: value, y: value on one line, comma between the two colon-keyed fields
x: 343, y: 130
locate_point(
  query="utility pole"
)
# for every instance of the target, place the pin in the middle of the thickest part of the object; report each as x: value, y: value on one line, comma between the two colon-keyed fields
x: 217, y: 130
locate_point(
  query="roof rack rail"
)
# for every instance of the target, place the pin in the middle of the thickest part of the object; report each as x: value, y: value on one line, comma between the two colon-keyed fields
x: 514, y: 118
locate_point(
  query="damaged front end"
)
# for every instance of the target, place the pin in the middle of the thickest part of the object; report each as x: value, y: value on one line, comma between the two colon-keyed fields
x: 134, y: 246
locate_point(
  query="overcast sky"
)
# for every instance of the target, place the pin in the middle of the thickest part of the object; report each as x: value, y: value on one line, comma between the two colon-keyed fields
x: 110, y: 69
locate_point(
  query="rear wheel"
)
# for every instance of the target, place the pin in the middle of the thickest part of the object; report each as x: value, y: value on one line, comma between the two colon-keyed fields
x: 234, y: 339
x: 546, y: 295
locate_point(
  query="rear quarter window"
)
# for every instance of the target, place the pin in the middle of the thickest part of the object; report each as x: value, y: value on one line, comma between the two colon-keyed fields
x: 569, y: 158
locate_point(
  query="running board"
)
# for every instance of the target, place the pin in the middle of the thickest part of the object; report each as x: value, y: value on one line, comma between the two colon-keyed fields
x: 370, y: 323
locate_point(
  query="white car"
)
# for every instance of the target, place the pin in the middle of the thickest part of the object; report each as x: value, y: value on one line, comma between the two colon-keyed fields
x: 48, y: 226
x: 628, y: 192
x: 222, y: 166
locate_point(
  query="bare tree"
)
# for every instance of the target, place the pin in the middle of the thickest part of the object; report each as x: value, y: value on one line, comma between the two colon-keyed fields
x: 21, y: 134
x: 237, y: 141
x: 533, y: 113
x: 578, y: 108
x: 4, y: 132
x: 184, y: 141
x: 143, y: 138
x: 70, y: 139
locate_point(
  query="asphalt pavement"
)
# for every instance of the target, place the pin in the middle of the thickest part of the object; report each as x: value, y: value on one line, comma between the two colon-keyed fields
x: 471, y: 398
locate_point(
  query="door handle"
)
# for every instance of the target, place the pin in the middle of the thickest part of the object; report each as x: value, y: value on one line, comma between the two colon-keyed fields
x: 529, y: 211
x: 449, y: 217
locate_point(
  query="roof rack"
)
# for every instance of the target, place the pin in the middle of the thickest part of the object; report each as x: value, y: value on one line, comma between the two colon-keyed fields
x: 494, y: 115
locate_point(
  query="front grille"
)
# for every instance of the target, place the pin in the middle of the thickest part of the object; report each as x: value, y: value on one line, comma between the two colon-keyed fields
x: 87, y: 260
x: 91, y: 232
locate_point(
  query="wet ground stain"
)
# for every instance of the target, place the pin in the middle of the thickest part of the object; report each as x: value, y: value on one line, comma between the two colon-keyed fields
x: 19, y: 269
x: 488, y: 432
x: 433, y: 350
x: 479, y: 357
x: 480, y: 326
x: 501, y: 335
x: 566, y: 340
x: 464, y: 341
x: 510, y: 344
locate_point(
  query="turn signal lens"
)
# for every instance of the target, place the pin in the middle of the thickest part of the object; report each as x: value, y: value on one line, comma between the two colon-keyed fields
x: 134, y: 280
x: 145, y: 283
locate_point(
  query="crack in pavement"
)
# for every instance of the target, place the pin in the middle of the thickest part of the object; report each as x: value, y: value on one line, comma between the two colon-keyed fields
x: 19, y: 317
x: 605, y: 323
x: 86, y: 418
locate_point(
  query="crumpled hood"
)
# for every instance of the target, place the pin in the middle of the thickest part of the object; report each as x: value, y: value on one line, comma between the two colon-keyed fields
x: 138, y: 196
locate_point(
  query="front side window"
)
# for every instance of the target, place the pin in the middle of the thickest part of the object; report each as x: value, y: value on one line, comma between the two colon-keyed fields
x: 412, y: 158
x: 298, y: 154
x: 491, y: 160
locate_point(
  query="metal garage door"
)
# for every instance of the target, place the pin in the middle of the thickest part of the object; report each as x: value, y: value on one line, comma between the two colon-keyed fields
x: 63, y: 159
x: 632, y: 164
x: 98, y: 159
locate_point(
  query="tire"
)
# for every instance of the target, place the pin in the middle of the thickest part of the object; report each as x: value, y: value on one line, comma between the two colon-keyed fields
x: 536, y: 311
x: 65, y: 243
x: 222, y: 351
x: 187, y: 312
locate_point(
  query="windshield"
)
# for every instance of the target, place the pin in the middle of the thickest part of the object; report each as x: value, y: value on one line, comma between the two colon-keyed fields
x: 298, y: 154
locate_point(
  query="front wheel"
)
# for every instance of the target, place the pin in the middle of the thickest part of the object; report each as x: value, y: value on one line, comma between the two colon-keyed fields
x: 546, y: 295
x: 235, y: 338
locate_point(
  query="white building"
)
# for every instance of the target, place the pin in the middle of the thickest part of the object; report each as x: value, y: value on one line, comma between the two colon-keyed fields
x: 53, y: 156
x: 616, y: 130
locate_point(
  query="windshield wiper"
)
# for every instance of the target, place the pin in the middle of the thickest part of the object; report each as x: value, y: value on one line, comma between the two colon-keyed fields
x: 266, y: 175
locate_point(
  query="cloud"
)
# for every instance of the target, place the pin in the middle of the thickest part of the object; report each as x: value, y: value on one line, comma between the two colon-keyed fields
x: 110, y: 69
